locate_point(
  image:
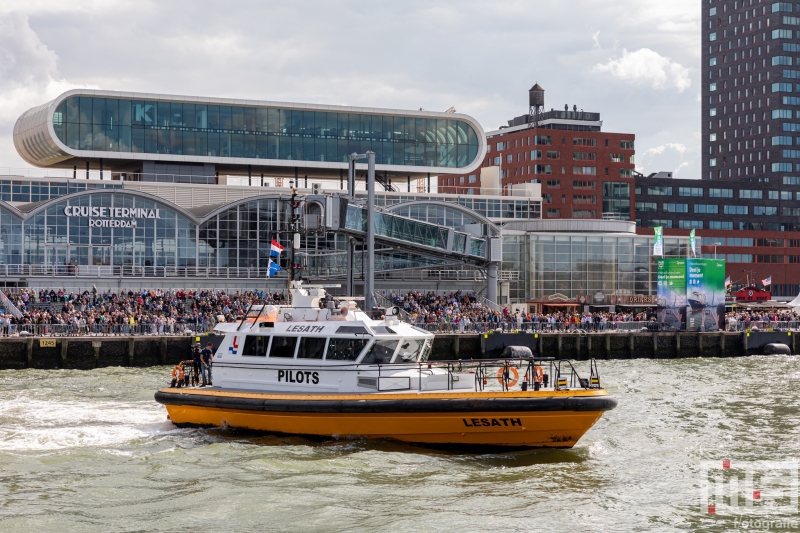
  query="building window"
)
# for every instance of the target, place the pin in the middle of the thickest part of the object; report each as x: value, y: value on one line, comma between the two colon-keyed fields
x: 659, y: 222
x: 735, y: 209
x: 576, y: 141
x: 781, y: 6
x: 740, y: 241
x: 781, y: 60
x: 719, y: 224
x: 617, y: 198
x: 769, y: 258
x: 791, y: 180
x: 617, y: 158
x: 554, y: 184
x: 790, y: 211
x: 581, y: 199
x: 626, y: 145
x: 552, y: 154
x: 501, y: 146
x: 584, y: 213
x: 536, y: 154
x: 584, y: 171
x: 782, y: 140
x: 690, y: 224
x: 712, y: 162
x: 782, y: 167
x: 675, y: 208
x: 751, y: 194
x: 552, y: 213
x: 659, y: 190
x: 579, y: 156
x: 626, y: 173
x: 774, y: 195
x: 690, y: 191
x: 646, y: 207
x: 770, y: 243
x: 542, y: 169
x: 543, y: 139
x: 782, y: 34
x: 782, y: 113
x: 706, y: 209
x: 472, y: 178
x: 579, y: 184
x: 720, y: 193
x: 782, y: 87
x: 764, y: 210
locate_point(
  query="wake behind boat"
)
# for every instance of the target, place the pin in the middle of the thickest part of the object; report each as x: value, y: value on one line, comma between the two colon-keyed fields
x: 307, y: 370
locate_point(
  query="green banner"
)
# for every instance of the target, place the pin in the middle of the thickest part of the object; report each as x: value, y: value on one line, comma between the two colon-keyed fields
x: 705, y: 294
x: 671, y: 279
x: 691, y: 244
x: 658, y: 240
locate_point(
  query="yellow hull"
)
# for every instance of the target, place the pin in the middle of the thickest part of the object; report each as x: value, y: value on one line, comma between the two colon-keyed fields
x: 524, y: 428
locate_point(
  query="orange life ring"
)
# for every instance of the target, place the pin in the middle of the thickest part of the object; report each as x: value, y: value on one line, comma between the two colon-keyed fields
x: 538, y: 374
x: 177, y: 373
x: 511, y: 381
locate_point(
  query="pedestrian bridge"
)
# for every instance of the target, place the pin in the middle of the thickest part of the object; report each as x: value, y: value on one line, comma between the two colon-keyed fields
x: 344, y: 215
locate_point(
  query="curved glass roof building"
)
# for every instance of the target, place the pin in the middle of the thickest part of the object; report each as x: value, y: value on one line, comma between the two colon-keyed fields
x: 126, y: 132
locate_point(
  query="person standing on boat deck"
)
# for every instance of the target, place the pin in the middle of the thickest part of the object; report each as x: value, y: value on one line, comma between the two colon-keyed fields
x: 205, y: 366
x: 209, y: 358
x: 196, y: 363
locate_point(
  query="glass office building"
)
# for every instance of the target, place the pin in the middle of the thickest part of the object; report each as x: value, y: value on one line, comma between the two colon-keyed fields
x: 123, y: 131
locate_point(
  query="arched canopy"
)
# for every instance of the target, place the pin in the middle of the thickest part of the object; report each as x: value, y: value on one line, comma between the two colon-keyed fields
x: 447, y: 214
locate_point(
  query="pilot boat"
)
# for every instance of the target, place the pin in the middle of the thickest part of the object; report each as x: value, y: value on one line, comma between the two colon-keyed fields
x: 308, y: 370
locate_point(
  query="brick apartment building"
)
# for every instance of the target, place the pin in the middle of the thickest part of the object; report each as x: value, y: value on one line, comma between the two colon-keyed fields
x: 583, y: 171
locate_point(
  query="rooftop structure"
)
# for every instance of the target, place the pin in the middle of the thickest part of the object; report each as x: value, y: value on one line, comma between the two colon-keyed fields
x: 146, y: 135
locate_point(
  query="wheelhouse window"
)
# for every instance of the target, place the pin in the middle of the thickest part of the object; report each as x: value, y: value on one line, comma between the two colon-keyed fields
x: 283, y: 347
x: 311, y: 348
x: 410, y: 351
x: 255, y: 346
x: 345, y: 349
x: 381, y: 352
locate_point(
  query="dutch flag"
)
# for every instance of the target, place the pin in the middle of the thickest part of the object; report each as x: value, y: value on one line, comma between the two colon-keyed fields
x: 273, y: 268
x: 275, y: 249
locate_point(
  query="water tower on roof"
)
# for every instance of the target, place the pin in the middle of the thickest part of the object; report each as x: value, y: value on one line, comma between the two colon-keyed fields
x: 536, y: 104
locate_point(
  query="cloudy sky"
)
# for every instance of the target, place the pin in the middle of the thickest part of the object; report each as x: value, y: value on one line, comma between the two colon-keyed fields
x: 637, y: 62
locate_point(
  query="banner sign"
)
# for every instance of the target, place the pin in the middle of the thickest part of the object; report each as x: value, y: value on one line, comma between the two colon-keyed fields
x: 658, y: 240
x: 705, y: 294
x: 691, y: 243
x: 671, y: 291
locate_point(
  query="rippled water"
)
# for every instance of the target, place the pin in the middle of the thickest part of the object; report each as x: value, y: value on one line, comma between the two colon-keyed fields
x: 92, y: 451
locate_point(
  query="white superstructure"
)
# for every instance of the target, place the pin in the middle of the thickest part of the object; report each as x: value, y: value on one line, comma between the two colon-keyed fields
x: 304, y: 348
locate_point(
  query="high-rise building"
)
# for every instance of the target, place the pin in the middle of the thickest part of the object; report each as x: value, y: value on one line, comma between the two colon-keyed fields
x: 749, y: 108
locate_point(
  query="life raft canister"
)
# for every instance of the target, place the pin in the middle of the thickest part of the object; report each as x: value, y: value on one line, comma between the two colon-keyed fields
x: 538, y: 374
x: 505, y: 373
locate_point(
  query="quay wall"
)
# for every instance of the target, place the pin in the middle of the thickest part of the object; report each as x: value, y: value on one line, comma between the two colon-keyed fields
x: 144, y: 351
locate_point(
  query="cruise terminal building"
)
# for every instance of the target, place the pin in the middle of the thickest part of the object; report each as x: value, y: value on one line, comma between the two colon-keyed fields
x: 145, y: 190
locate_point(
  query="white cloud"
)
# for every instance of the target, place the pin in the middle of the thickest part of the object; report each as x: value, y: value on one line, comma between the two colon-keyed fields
x: 596, y: 39
x: 646, y: 67
x: 28, y: 77
x: 658, y: 150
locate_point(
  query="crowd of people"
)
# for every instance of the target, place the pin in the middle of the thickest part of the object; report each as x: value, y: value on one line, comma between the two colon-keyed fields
x: 460, y: 311
x: 156, y: 312
x: 172, y: 312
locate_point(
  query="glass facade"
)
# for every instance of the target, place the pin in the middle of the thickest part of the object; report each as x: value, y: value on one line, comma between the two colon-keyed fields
x: 238, y: 237
x: 190, y: 129
x: 540, y: 265
x: 27, y: 191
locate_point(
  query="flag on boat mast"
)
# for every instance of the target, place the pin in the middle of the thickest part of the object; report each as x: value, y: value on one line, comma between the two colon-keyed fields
x: 658, y: 240
x: 273, y: 268
x: 691, y: 244
x: 275, y: 249
x: 728, y: 283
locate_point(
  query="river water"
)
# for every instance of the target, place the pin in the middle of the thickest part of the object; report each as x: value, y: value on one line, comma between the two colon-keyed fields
x: 91, y: 451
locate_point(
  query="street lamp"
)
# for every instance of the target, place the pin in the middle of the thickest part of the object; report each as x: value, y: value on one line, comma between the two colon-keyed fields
x: 715, y: 248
